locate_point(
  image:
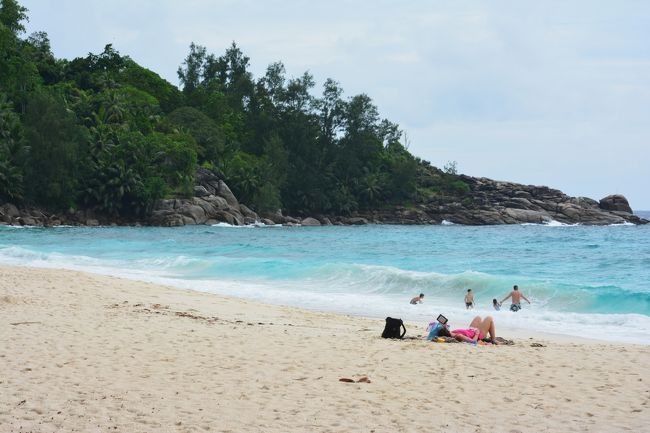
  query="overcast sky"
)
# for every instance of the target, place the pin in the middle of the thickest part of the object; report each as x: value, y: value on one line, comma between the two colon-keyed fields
x: 553, y: 92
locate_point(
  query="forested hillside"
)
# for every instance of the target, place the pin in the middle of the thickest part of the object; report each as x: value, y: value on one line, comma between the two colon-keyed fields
x: 102, y: 132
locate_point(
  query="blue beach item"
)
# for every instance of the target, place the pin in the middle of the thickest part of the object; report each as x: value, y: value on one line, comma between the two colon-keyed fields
x: 433, y: 329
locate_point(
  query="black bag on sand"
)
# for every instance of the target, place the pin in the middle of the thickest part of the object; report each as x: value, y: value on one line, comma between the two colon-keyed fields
x: 392, y: 328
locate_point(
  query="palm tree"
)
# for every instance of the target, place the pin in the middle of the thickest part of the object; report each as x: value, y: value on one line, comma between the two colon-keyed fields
x: 371, y: 188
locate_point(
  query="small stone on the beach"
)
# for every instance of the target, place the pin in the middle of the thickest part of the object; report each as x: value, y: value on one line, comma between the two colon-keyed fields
x: 347, y: 380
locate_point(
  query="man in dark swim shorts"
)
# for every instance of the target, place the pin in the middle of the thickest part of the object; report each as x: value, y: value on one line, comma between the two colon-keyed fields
x: 469, y: 299
x: 516, y: 296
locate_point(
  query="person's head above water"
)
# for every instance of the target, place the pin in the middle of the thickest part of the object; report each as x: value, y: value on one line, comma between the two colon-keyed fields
x: 515, y: 287
x: 494, y: 301
x: 469, y: 290
x: 421, y: 295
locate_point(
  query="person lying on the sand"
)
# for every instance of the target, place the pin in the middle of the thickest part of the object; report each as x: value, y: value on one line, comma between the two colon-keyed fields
x: 478, y: 330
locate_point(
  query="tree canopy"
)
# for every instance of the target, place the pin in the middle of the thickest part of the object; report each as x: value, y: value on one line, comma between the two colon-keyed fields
x: 101, y: 131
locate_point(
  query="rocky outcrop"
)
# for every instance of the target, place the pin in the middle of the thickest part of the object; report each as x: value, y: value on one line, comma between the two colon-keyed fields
x: 494, y: 202
x: 309, y: 221
x: 213, y: 202
x: 32, y: 216
x: 487, y: 202
x: 617, y: 203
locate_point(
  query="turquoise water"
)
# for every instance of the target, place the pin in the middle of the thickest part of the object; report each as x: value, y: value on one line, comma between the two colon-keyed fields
x: 588, y: 281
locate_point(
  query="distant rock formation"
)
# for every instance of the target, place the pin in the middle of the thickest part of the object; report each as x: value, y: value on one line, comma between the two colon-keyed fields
x: 615, y: 203
x: 487, y: 202
x: 494, y: 202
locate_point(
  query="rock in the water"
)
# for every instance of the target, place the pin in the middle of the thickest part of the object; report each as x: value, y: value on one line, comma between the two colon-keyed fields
x: 292, y: 220
x: 310, y: 222
x: 27, y: 221
x: 9, y: 210
x: 196, y: 212
x: 248, y: 213
x: 527, y: 216
x: 615, y: 202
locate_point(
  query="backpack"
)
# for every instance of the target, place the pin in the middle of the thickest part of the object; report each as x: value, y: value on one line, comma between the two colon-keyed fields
x: 392, y: 328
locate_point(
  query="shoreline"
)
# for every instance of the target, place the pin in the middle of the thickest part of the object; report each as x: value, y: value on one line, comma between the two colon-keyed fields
x: 86, y: 352
x: 504, y: 319
x: 269, y: 223
x: 414, y: 327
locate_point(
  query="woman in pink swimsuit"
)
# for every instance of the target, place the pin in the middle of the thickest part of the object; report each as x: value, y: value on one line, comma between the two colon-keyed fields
x: 478, y: 330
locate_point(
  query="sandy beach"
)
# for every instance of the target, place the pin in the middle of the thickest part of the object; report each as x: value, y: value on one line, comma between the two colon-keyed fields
x: 88, y: 353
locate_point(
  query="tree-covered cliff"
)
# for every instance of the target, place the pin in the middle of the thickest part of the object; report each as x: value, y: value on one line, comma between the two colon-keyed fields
x: 104, y: 133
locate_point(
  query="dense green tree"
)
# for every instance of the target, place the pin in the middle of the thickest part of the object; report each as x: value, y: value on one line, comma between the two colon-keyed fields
x: 12, y: 153
x: 12, y: 16
x: 104, y: 132
x: 38, y: 48
x: 168, y: 96
x: 133, y: 170
x: 56, y: 145
x: 209, y: 137
x: 191, y: 73
x: 96, y: 71
x: 18, y: 73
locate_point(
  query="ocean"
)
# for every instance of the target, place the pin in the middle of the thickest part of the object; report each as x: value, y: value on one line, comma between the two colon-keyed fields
x: 582, y: 281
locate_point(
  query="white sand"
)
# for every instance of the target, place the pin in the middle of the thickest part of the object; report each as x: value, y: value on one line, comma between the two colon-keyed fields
x: 88, y: 353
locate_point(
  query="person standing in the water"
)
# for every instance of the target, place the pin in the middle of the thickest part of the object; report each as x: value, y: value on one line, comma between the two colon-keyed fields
x: 469, y: 299
x: 516, y: 296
